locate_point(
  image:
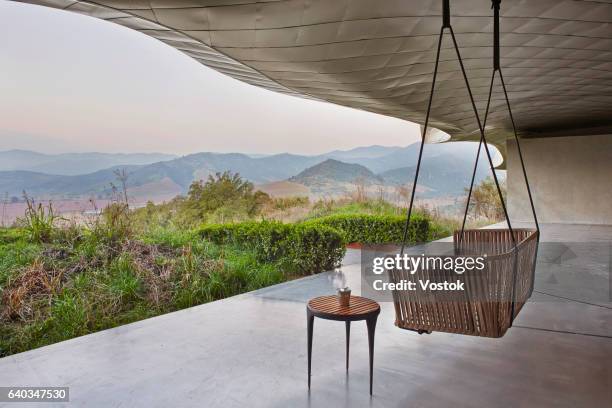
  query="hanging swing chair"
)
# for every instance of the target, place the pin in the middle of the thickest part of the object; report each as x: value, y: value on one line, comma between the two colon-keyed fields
x: 493, y: 297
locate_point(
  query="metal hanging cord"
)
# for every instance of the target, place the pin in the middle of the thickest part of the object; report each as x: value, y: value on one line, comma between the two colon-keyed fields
x: 446, y: 24
x: 497, y: 69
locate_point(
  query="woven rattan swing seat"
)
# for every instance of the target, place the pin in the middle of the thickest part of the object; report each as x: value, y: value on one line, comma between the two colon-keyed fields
x: 485, y: 307
x: 493, y: 297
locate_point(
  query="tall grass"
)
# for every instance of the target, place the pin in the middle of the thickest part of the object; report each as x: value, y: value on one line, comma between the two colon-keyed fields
x: 57, y: 290
x: 38, y: 220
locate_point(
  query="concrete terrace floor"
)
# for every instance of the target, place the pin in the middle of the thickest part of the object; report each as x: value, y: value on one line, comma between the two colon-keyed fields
x: 250, y: 350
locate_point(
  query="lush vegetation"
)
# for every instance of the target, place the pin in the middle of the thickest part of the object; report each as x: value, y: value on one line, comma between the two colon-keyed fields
x: 81, y: 280
x: 376, y: 229
x: 59, y: 280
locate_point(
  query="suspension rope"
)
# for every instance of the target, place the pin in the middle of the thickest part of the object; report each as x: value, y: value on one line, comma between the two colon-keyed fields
x: 496, y: 57
x: 497, y: 69
x: 483, y: 137
x: 446, y: 24
x: 418, y: 168
x: 520, y: 153
x: 469, y: 197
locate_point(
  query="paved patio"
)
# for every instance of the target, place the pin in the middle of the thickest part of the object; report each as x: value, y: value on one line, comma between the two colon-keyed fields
x: 250, y: 350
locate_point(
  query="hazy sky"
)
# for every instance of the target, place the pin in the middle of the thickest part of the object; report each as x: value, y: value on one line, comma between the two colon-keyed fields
x: 73, y: 83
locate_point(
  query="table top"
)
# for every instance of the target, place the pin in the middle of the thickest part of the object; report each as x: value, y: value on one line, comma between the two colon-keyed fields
x: 329, y: 307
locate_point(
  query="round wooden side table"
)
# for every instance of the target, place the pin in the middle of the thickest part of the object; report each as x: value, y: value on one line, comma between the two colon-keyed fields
x: 328, y: 307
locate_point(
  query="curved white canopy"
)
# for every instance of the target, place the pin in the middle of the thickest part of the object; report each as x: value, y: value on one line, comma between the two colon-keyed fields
x: 377, y: 55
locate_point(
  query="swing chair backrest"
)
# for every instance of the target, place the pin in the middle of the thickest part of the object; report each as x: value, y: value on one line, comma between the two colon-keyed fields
x: 485, y: 307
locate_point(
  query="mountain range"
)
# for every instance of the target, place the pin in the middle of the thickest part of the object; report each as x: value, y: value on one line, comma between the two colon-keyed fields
x: 446, y: 169
x: 70, y: 164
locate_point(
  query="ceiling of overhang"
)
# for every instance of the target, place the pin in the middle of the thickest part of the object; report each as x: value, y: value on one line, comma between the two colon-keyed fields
x: 378, y: 55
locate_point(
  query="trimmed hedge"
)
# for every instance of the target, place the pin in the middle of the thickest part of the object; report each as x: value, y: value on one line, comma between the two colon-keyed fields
x: 376, y: 229
x: 305, y: 248
x: 319, y: 244
x: 315, y: 248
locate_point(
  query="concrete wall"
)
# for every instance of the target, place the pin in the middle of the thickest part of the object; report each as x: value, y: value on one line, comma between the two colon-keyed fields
x: 570, y: 178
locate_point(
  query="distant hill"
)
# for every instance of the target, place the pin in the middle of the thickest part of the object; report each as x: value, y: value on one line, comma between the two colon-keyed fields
x: 407, y: 156
x: 336, y: 176
x: 444, y: 174
x: 336, y: 170
x: 70, y: 164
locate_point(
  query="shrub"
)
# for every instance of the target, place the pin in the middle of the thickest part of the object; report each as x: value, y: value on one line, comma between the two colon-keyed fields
x: 304, y: 248
x: 376, y: 229
x: 315, y: 248
x: 232, y: 233
x: 224, y: 196
x: 219, y: 234
x: 267, y: 238
x: 270, y: 239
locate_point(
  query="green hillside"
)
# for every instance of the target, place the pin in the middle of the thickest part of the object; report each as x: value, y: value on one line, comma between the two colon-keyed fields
x: 336, y: 176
